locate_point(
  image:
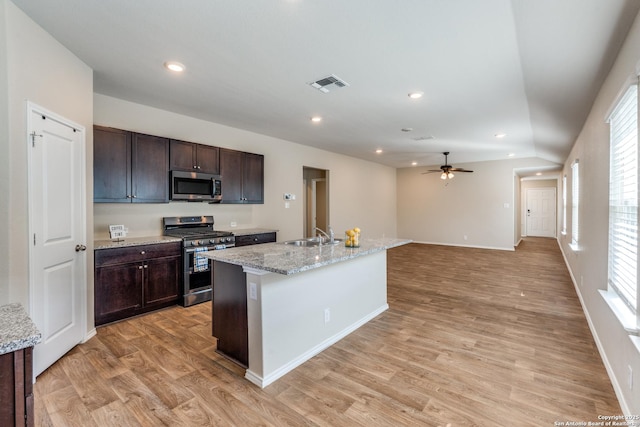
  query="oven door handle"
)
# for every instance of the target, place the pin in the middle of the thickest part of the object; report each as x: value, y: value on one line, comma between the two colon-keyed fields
x: 192, y: 250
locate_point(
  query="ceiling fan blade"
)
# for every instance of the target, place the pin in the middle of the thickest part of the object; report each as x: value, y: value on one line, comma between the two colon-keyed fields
x: 431, y: 171
x: 459, y: 170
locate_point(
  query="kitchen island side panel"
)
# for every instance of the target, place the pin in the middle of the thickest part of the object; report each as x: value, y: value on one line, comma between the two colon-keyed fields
x: 288, y: 320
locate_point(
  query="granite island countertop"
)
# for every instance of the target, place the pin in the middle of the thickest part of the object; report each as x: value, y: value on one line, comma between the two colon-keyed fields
x: 289, y: 259
x: 17, y: 330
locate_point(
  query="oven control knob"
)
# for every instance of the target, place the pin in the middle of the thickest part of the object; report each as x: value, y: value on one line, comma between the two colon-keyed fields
x: 228, y: 239
x: 194, y: 243
x: 212, y: 241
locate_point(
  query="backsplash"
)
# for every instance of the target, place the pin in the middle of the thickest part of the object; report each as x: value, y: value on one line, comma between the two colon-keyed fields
x: 145, y: 219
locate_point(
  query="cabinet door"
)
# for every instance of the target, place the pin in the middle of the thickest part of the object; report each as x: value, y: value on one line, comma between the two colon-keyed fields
x: 208, y: 159
x: 118, y: 291
x: 162, y: 279
x: 150, y: 169
x: 231, y: 175
x: 182, y: 156
x: 111, y: 165
x: 253, y: 178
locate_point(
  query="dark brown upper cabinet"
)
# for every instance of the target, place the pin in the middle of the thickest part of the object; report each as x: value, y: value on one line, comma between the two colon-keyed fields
x: 191, y: 157
x: 129, y: 167
x: 242, y: 177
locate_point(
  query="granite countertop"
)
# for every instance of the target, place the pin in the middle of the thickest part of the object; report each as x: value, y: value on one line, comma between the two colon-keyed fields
x: 17, y: 330
x: 249, y: 231
x: 289, y: 259
x: 134, y: 241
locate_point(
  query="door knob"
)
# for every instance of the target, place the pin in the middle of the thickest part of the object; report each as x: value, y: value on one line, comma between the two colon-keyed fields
x: 80, y: 248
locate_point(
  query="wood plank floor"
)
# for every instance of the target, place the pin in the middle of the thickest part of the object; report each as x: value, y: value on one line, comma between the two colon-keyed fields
x: 472, y: 338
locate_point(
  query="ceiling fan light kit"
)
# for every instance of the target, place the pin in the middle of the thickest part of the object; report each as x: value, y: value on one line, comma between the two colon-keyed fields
x: 446, y: 169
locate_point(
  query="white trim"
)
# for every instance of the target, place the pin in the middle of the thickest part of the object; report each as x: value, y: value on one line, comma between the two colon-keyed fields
x: 263, y: 382
x: 465, y: 246
x: 624, y: 314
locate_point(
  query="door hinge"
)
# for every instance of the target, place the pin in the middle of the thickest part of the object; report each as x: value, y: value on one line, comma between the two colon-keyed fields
x: 33, y: 138
x: 34, y: 239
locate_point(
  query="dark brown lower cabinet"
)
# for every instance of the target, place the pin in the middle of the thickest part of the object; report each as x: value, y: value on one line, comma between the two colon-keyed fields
x: 229, y: 312
x: 229, y: 303
x: 135, y: 280
x: 16, y: 388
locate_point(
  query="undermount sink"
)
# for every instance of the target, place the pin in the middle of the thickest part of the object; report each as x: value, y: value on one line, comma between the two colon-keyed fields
x: 312, y: 241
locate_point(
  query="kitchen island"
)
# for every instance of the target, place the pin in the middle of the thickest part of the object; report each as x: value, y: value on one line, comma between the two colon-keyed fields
x: 293, y: 302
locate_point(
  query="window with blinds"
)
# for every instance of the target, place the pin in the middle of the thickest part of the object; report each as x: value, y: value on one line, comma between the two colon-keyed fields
x: 564, y: 204
x: 575, y: 202
x: 623, y: 199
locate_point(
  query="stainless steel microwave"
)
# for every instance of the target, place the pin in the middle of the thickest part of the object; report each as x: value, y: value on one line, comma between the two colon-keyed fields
x: 195, y: 187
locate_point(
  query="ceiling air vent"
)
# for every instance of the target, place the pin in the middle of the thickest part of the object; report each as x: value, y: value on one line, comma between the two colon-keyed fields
x: 328, y: 83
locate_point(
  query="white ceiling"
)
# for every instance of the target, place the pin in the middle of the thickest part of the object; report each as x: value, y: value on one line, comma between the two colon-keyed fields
x: 528, y: 68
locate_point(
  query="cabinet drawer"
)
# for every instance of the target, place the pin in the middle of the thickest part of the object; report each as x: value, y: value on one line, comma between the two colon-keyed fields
x: 136, y: 253
x: 254, y: 239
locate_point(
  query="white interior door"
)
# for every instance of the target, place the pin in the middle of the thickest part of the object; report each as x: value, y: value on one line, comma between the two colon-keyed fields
x: 57, y: 257
x: 541, y: 212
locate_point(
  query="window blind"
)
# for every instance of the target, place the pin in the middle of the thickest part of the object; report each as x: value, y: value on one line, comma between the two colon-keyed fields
x: 575, y: 201
x: 623, y: 199
x: 564, y: 204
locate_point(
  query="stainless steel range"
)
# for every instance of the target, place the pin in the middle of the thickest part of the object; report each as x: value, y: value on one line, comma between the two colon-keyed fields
x: 197, y: 236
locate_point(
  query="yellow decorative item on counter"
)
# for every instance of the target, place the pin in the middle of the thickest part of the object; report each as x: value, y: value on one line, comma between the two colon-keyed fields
x: 352, y: 238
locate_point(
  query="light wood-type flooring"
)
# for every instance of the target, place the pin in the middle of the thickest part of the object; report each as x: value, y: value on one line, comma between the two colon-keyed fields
x: 472, y: 337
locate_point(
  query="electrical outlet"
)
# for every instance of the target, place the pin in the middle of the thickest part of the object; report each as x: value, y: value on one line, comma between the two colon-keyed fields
x: 327, y: 315
x: 234, y: 224
x: 465, y: 237
x: 253, y: 291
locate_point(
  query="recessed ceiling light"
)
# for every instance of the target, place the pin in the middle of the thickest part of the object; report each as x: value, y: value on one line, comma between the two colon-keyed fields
x: 174, y: 66
x: 414, y: 163
x: 512, y: 154
x: 500, y: 135
x: 378, y: 151
x: 538, y: 173
x: 316, y: 119
x: 415, y: 95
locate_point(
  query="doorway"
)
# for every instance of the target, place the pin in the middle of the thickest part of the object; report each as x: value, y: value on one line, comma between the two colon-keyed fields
x: 541, y: 212
x: 316, y: 195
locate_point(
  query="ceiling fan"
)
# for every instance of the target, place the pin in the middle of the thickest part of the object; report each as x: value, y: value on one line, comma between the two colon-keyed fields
x: 446, y: 170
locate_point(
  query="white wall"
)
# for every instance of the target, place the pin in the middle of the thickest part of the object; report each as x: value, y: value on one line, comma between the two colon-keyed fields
x: 361, y: 193
x: 431, y: 210
x: 588, y: 265
x: 39, y: 69
x: 4, y: 158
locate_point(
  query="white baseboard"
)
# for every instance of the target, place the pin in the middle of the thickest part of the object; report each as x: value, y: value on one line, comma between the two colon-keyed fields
x: 283, y: 370
x: 92, y: 333
x: 464, y: 246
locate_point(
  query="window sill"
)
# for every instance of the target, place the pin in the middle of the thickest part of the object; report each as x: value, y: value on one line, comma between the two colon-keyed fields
x: 564, y: 232
x: 624, y: 314
x: 574, y: 247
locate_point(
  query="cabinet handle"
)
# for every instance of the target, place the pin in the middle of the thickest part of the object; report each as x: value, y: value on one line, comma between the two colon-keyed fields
x: 128, y: 196
x: 135, y: 197
x: 195, y: 166
x: 146, y: 266
x: 142, y: 252
x: 139, y: 267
